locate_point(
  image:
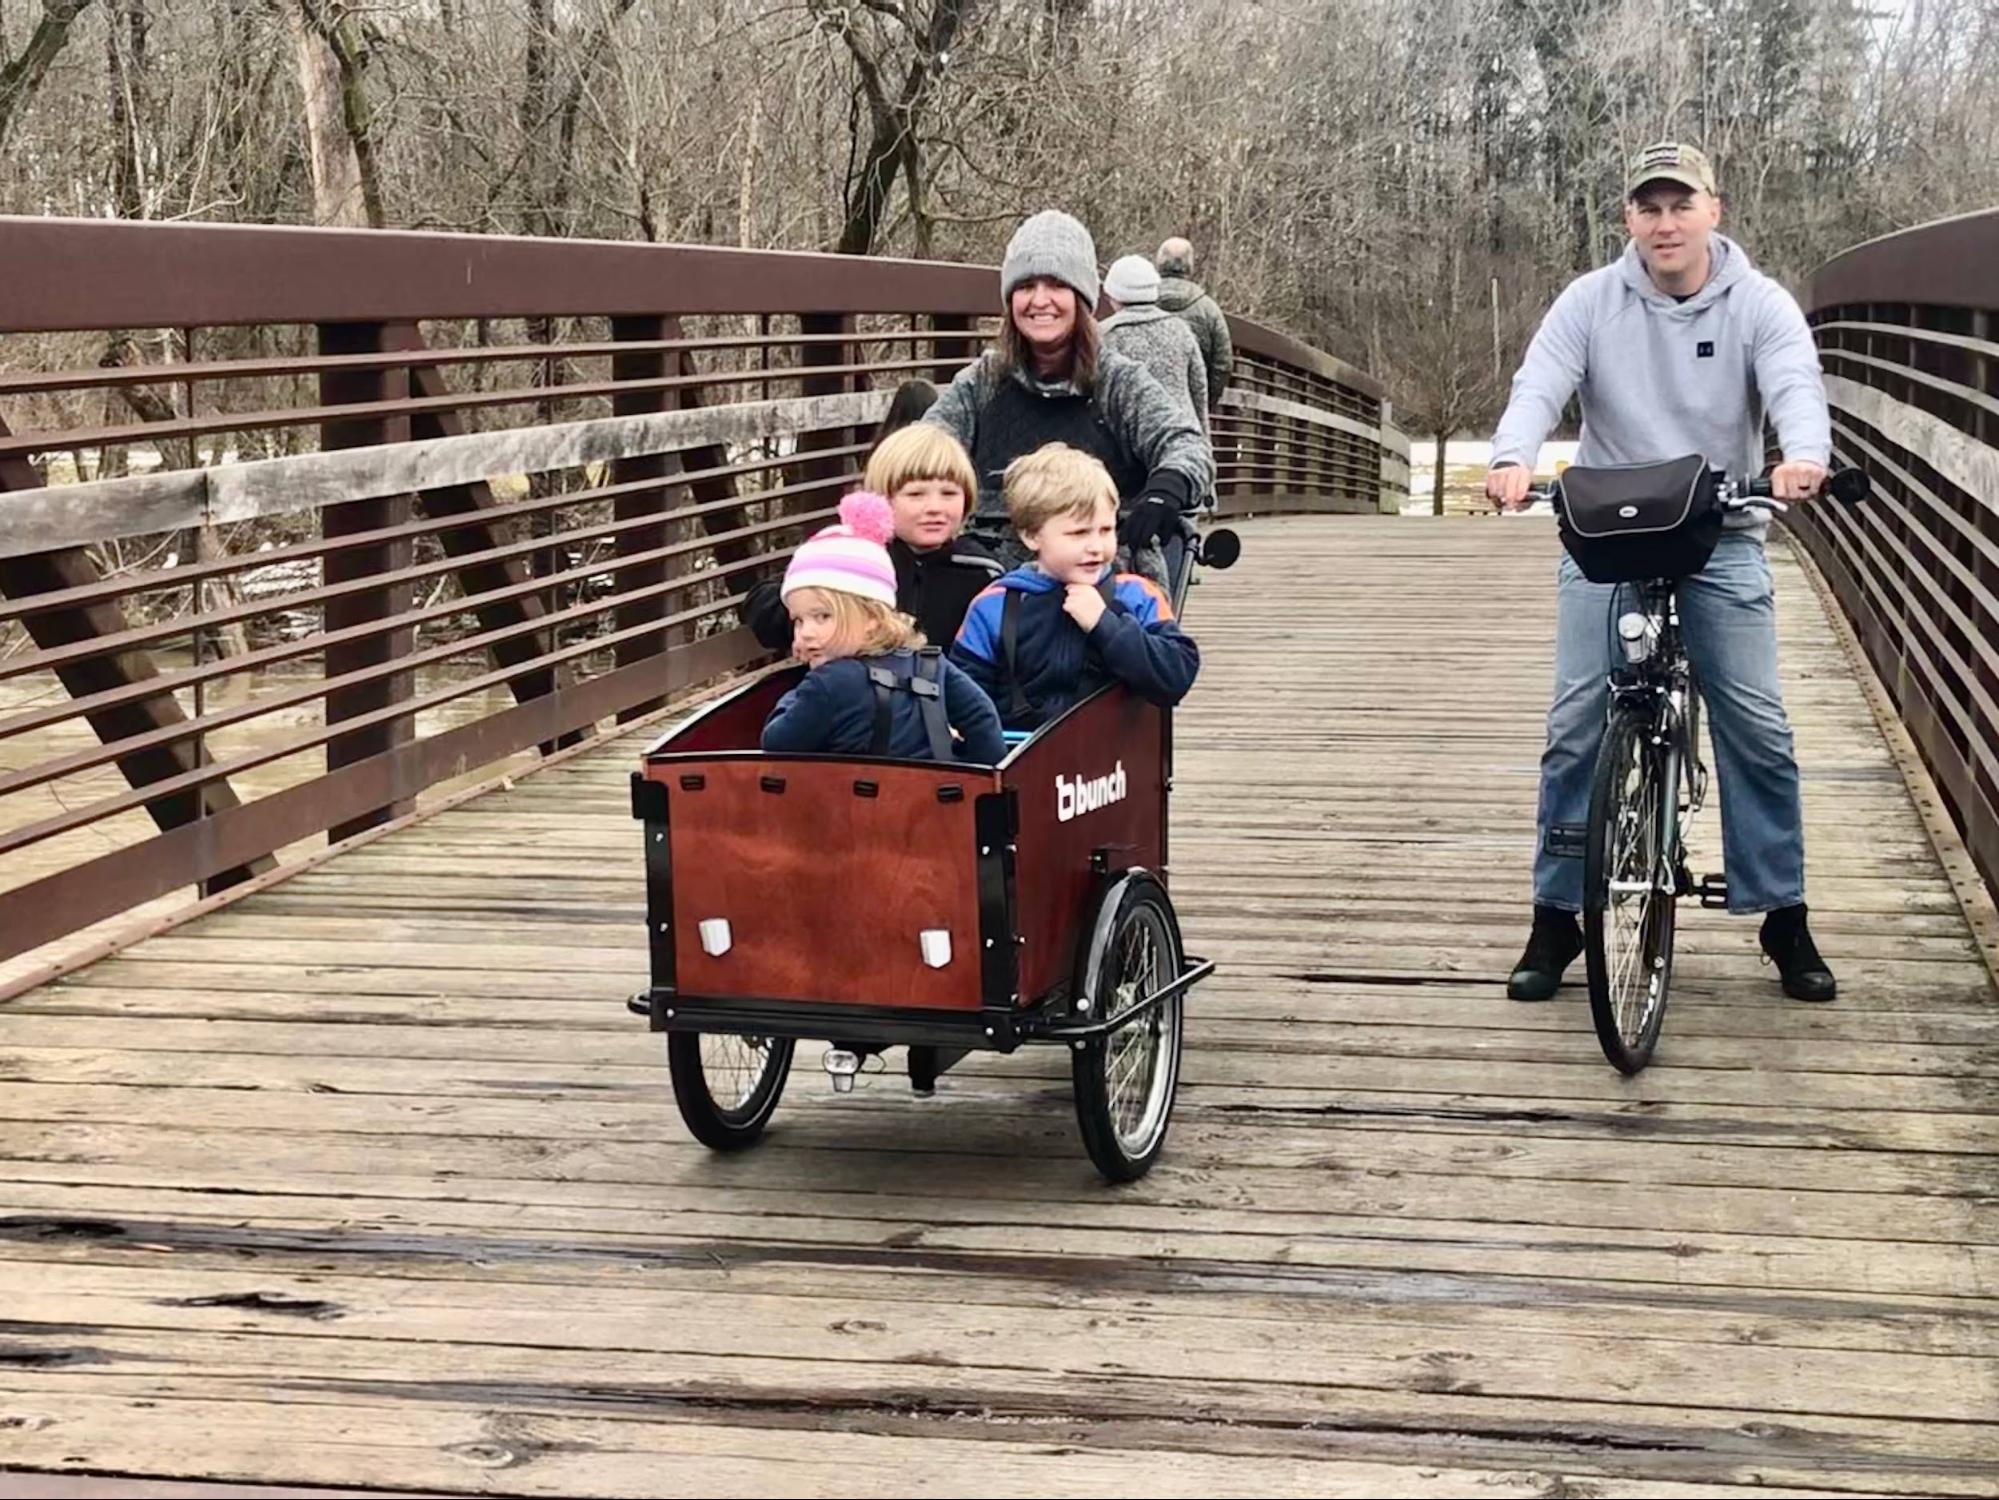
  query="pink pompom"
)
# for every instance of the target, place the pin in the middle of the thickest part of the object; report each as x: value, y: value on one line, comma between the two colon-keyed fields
x: 869, y: 515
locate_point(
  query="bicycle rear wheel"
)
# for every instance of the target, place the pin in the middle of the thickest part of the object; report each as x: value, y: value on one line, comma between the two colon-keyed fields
x: 1628, y: 892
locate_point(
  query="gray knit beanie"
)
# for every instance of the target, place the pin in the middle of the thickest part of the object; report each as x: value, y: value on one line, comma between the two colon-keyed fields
x: 1131, y: 281
x: 1055, y: 244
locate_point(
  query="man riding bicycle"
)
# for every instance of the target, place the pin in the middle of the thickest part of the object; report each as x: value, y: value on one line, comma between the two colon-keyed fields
x: 1680, y: 346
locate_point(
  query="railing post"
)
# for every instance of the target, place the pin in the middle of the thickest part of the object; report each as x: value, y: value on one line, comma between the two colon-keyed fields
x: 381, y: 560
x: 825, y: 472
x: 1231, y: 490
x: 954, y: 347
x: 651, y: 501
x: 1299, y: 436
x: 1984, y: 375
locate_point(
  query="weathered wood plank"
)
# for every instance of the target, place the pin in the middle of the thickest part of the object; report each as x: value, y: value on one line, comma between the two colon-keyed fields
x: 1408, y: 1237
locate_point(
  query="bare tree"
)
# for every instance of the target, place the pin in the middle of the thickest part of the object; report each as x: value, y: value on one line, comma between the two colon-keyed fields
x: 883, y: 38
x: 23, y: 74
x: 1324, y: 157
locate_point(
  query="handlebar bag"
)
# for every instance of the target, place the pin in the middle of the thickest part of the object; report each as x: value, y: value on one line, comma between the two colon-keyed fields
x: 1627, y: 522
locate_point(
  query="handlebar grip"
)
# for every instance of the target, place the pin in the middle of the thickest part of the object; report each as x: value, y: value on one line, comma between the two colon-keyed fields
x: 1850, y: 486
x: 1757, y: 489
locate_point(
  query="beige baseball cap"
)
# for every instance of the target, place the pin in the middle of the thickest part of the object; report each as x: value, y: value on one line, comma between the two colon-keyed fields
x: 1671, y: 161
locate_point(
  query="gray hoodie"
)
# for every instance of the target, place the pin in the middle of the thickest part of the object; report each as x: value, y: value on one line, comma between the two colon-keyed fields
x: 1660, y: 378
x: 1166, y: 346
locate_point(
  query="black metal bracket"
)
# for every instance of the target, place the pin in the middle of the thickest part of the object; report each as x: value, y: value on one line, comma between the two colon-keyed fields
x: 1051, y: 1026
x: 648, y: 799
x: 869, y: 1026
x: 995, y: 820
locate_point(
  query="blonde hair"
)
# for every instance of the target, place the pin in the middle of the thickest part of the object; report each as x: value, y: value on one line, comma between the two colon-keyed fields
x: 1055, y: 480
x: 922, y: 450
x: 863, y: 626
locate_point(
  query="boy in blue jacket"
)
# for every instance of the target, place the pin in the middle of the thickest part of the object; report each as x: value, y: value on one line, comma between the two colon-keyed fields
x: 1053, y: 630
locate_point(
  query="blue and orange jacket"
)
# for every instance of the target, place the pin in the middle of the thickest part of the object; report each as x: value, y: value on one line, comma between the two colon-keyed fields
x: 1055, y: 663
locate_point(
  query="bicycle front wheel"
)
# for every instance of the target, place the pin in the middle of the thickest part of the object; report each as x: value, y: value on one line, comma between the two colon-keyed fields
x: 1628, y: 892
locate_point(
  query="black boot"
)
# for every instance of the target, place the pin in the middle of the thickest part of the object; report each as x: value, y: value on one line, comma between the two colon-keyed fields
x: 1788, y: 943
x: 1552, y: 946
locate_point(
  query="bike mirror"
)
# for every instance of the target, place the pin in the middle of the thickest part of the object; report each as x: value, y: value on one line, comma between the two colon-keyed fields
x: 1850, y: 486
x: 1221, y: 548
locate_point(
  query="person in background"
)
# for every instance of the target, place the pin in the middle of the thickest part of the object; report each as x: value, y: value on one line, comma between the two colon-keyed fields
x: 1145, y: 331
x: 1186, y: 298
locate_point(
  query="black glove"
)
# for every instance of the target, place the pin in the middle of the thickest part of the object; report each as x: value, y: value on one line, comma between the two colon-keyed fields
x: 1147, y: 520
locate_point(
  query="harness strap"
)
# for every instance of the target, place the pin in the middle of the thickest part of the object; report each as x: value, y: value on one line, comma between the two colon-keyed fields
x: 926, y: 683
x: 1018, y: 708
x: 884, y: 681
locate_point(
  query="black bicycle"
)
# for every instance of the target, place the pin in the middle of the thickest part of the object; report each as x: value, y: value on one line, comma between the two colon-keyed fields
x: 1647, y: 527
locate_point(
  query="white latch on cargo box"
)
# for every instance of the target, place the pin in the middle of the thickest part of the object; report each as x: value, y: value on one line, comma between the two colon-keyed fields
x: 715, y: 937
x: 936, y: 944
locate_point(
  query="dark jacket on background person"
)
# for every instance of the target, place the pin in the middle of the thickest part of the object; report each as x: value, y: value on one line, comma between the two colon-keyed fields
x: 1187, y: 298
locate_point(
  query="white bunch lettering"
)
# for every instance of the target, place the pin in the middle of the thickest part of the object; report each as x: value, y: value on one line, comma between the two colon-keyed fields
x: 1074, y: 798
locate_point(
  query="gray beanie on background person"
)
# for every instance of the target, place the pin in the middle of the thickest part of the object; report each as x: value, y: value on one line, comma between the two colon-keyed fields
x: 1054, y: 244
x: 1131, y: 281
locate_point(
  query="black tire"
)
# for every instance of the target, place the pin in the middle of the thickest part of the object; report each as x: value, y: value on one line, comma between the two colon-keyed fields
x: 750, y: 1072
x: 1125, y: 1082
x: 1628, y: 939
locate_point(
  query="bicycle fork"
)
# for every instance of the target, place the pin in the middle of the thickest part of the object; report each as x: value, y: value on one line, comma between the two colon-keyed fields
x: 1669, y: 863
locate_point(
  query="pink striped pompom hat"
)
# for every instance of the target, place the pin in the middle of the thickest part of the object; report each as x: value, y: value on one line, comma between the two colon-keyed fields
x: 851, y: 557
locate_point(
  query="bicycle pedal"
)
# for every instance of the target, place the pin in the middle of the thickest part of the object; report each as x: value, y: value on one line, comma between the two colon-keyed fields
x: 1713, y: 892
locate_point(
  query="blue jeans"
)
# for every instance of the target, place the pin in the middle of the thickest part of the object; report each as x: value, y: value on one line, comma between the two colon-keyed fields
x: 1728, y: 617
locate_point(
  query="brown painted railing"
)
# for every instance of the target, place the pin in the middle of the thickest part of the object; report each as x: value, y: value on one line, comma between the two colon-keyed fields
x: 297, y: 524
x: 1908, y: 331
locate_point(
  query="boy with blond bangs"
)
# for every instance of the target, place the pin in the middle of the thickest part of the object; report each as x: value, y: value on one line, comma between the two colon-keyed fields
x: 928, y: 479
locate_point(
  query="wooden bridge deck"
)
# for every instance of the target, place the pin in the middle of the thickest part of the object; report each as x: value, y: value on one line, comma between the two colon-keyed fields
x: 368, y: 1180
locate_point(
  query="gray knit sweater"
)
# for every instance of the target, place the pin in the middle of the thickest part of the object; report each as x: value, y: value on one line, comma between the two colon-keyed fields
x: 1166, y: 346
x: 1152, y: 426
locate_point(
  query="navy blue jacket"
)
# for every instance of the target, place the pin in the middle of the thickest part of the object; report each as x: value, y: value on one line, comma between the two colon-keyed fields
x: 1136, y: 643
x: 832, y: 712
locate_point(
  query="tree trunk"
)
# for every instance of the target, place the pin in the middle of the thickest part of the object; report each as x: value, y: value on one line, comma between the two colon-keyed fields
x: 224, y: 591
x: 125, y: 58
x: 1437, y: 473
x: 22, y: 77
x: 534, y: 118
x: 343, y: 192
x: 892, y: 144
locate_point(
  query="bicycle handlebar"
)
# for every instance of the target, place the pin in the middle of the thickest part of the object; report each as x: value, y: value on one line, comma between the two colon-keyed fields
x: 1848, y: 486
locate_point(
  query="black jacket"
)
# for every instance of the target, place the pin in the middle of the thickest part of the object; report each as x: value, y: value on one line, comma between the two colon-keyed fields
x: 936, y: 587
